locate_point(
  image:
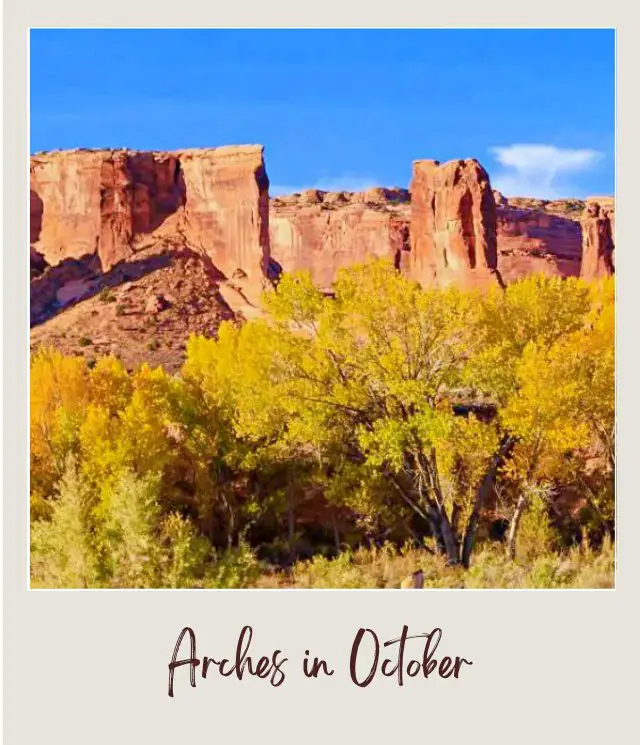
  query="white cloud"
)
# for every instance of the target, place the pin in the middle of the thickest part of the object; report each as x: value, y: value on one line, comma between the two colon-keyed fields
x: 542, y: 171
x: 345, y: 182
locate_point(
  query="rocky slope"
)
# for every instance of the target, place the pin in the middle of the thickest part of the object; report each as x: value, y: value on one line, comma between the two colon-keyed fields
x: 133, y: 251
x: 141, y: 310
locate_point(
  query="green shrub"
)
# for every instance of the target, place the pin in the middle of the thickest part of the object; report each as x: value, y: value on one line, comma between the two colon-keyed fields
x: 62, y: 552
x: 536, y: 535
x: 234, y: 568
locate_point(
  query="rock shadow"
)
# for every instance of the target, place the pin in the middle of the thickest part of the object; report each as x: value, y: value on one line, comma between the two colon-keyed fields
x: 44, y: 289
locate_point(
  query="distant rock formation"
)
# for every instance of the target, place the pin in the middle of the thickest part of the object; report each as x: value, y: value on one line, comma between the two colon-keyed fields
x: 324, y: 231
x: 129, y: 246
x: 598, y: 246
x: 453, y: 225
x: 536, y: 241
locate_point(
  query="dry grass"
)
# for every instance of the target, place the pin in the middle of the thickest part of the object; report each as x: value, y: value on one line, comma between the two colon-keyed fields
x: 386, y: 567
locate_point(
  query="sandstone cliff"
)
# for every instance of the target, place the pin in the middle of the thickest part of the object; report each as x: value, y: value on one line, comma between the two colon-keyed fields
x: 104, y: 202
x: 132, y: 251
x: 323, y: 231
x: 453, y: 225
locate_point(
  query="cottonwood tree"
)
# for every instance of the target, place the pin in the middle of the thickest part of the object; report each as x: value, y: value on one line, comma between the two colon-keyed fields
x: 547, y: 358
x: 364, y: 383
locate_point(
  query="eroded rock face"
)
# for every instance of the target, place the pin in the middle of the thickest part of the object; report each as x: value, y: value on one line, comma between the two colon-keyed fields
x: 37, y: 263
x: 453, y: 225
x: 324, y: 231
x: 597, y: 241
x: 110, y: 205
x: 227, y: 208
x: 102, y: 202
x: 534, y: 241
x: 65, y: 204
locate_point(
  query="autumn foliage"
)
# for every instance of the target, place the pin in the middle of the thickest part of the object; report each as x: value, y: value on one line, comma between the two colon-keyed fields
x: 454, y: 422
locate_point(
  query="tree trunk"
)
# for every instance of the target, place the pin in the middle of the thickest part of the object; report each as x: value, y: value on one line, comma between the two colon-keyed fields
x: 445, y: 534
x: 484, y: 490
x: 446, y: 529
x: 434, y: 526
x: 437, y: 520
x: 336, y: 534
x: 290, y: 524
x: 515, y: 523
x: 451, y: 543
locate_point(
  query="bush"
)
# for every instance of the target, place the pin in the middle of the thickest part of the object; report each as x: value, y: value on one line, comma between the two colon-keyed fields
x: 127, y: 541
x: 536, y: 535
x: 234, y: 568
x: 62, y: 551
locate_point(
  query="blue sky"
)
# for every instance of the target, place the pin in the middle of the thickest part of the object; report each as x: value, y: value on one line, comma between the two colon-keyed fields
x: 341, y: 109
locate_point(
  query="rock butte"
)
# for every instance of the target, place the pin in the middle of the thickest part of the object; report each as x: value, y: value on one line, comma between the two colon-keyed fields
x: 96, y: 214
x: 597, y: 241
x: 453, y: 225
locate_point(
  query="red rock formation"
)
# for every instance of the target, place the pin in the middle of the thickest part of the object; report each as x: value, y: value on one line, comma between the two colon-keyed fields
x: 533, y: 241
x: 324, y: 231
x: 111, y: 205
x: 116, y: 210
x: 227, y: 208
x: 65, y: 204
x: 568, y: 208
x: 37, y: 263
x: 453, y: 224
x: 500, y: 199
x: 597, y: 241
x: 608, y: 205
x: 102, y: 202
